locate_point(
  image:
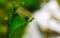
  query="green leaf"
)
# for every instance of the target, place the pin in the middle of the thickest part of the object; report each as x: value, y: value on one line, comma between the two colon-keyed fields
x: 15, y: 24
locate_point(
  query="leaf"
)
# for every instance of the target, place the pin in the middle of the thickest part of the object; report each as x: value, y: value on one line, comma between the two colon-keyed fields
x: 16, y: 23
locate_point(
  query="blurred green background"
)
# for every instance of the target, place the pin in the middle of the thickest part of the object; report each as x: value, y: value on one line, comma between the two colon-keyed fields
x: 12, y: 25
